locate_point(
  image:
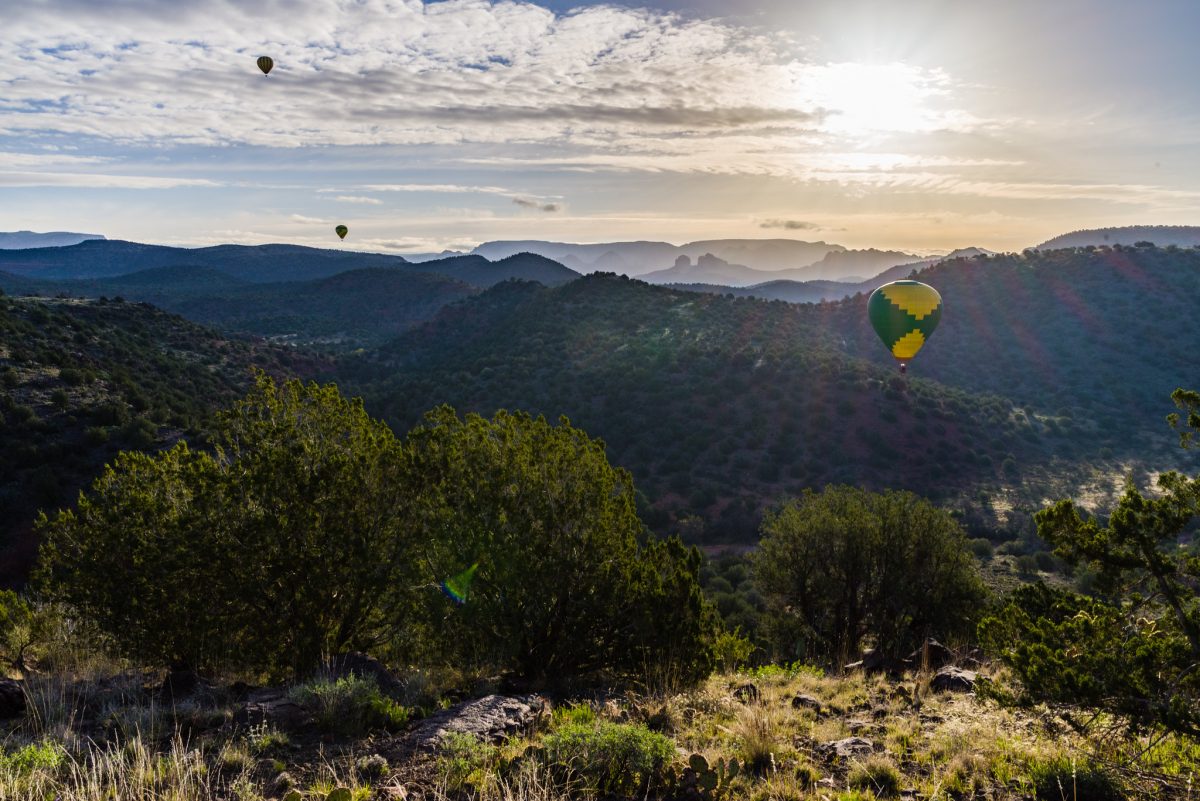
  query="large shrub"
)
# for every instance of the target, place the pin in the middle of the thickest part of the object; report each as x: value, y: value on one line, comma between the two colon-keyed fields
x: 311, y: 530
x: 287, y: 544
x: 845, y: 566
x: 1131, y: 647
x: 569, y: 582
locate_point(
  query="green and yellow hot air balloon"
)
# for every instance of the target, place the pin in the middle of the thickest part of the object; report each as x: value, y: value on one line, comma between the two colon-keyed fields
x: 904, y: 314
x: 265, y: 63
x: 341, y: 231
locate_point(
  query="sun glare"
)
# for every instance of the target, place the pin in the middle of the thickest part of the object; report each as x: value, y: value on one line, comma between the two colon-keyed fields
x: 861, y: 99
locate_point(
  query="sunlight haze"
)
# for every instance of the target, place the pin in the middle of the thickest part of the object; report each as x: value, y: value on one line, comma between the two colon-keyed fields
x: 921, y: 126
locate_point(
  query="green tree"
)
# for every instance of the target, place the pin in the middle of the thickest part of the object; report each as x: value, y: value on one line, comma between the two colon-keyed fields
x: 569, y: 582
x: 845, y: 567
x: 1133, y: 647
x: 288, y: 544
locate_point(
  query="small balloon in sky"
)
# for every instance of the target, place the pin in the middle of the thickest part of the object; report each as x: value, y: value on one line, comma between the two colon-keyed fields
x: 904, y: 314
x: 342, y: 231
x: 265, y: 63
x: 458, y: 587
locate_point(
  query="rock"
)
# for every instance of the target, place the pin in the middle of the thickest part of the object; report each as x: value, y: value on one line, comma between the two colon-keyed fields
x: 804, y: 701
x: 931, y: 656
x: 954, y: 680
x: 12, y: 699
x: 360, y: 664
x: 274, y: 708
x: 746, y: 693
x: 873, y: 661
x: 847, y: 748
x: 179, y: 684
x: 901, y: 693
x: 491, y: 718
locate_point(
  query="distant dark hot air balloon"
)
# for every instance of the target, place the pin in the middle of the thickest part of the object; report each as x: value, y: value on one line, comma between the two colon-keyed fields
x: 265, y: 63
x: 904, y: 314
x: 342, y: 231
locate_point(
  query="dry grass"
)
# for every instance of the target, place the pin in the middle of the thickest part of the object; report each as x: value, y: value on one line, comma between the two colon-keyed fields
x: 943, y: 746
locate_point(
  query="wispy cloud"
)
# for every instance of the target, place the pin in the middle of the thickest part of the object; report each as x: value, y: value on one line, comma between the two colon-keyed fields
x: 369, y: 201
x: 530, y: 203
x: 790, y: 225
x: 98, y: 180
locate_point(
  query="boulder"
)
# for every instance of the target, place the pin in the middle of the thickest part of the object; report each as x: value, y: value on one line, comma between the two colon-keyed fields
x: 491, y: 718
x: 179, y: 684
x: 874, y: 661
x: 274, y: 708
x: 847, y: 748
x: 931, y: 656
x: 368, y: 667
x: 746, y: 693
x: 804, y: 701
x: 12, y: 699
x: 953, y: 680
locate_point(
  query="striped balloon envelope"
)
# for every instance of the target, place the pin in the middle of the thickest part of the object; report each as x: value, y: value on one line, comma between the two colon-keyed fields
x: 904, y: 314
x: 265, y: 63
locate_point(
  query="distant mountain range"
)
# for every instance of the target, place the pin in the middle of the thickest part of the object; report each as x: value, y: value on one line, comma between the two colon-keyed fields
x: 299, y: 294
x: 1160, y: 235
x: 14, y: 240
x: 736, y: 262
x: 817, y: 291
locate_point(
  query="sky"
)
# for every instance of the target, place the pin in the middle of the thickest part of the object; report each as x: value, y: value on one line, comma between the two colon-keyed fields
x: 921, y: 125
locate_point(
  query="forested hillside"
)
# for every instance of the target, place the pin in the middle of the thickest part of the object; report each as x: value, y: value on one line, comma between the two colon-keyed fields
x: 1093, y: 340
x: 1048, y: 370
x: 718, y: 405
x: 82, y: 380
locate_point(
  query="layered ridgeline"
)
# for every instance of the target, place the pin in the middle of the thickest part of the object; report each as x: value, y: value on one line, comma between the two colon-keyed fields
x: 1048, y: 372
x: 328, y: 297
x: 1158, y: 235
x: 718, y: 405
x: 81, y: 380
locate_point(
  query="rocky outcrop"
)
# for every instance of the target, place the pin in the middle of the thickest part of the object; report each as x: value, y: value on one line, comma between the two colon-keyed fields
x: 846, y: 749
x: 954, y: 680
x: 491, y: 718
x: 272, y: 707
x: 364, y: 666
x: 12, y: 699
x: 805, y: 701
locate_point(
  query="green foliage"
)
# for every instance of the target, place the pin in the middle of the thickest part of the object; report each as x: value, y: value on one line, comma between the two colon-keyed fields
x: 1131, y: 649
x: 32, y: 757
x: 350, y: 706
x: 568, y: 581
x: 710, y: 781
x: 783, y: 671
x: 731, y: 650
x: 465, y: 761
x: 294, y: 529
x: 74, y: 375
x: 845, y: 565
x: 16, y: 622
x: 713, y: 403
x: 313, y: 531
x: 612, y: 758
x: 1063, y: 777
x: 877, y: 774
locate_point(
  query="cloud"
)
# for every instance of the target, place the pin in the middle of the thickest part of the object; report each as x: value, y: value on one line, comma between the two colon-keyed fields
x: 790, y: 225
x: 530, y: 203
x: 372, y: 201
x: 98, y: 180
x: 403, y: 72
